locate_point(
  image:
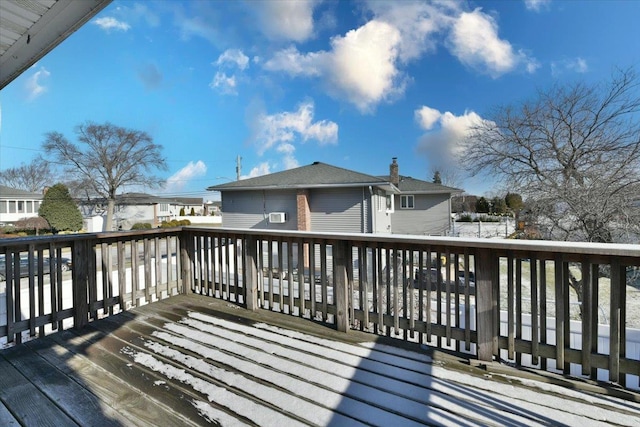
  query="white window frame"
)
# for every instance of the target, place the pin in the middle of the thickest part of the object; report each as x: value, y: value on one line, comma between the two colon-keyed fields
x: 407, y: 201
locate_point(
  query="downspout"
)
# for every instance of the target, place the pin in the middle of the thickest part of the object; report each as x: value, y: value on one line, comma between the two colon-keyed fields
x: 373, y: 212
x: 265, y: 215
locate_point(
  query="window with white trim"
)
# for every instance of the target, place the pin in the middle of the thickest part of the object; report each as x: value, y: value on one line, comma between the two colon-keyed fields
x: 407, y: 201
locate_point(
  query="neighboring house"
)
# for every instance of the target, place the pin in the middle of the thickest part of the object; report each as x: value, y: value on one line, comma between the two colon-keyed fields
x: 18, y: 204
x: 325, y: 198
x: 132, y: 208
x: 421, y: 207
x: 213, y: 208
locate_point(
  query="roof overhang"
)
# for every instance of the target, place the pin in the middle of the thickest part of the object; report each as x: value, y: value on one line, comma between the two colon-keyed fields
x: 31, y: 29
x: 388, y: 187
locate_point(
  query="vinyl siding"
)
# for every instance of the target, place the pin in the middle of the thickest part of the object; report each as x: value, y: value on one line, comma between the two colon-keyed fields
x: 339, y: 210
x: 250, y: 209
x: 430, y: 216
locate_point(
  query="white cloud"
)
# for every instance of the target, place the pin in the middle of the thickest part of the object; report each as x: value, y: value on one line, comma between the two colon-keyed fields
x: 234, y: 57
x: 364, y: 66
x: 180, y: 179
x: 361, y: 66
x: 286, y: 20
x: 427, y: 117
x: 224, y: 84
x: 228, y: 84
x: 445, y: 144
x: 289, y: 159
x: 419, y: 23
x: 289, y: 127
x: 35, y: 85
x: 575, y: 65
x: 262, y: 169
x: 536, y: 5
x: 108, y: 23
x: 474, y: 41
x: 532, y: 65
x: 296, y: 64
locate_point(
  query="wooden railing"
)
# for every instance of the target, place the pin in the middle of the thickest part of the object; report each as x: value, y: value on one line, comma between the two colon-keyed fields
x: 52, y: 283
x: 492, y: 299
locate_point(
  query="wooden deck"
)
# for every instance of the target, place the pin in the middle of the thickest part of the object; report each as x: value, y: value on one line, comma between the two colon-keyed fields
x: 191, y: 360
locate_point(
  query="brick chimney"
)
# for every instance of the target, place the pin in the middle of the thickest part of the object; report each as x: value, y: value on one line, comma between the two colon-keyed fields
x: 393, y: 171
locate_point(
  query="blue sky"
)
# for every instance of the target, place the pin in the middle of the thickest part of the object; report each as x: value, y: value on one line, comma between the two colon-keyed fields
x: 284, y: 84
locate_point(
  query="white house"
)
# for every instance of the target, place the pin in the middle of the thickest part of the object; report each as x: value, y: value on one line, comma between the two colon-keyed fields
x: 132, y: 208
x: 18, y: 204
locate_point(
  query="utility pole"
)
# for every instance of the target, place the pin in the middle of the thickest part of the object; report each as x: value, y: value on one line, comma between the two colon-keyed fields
x: 238, y: 167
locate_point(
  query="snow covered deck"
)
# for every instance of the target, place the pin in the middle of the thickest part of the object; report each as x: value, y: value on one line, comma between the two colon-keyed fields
x: 192, y: 360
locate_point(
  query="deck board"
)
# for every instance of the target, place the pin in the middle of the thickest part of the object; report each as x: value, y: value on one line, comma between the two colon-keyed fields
x: 28, y: 404
x: 75, y: 400
x: 192, y: 360
x: 6, y: 419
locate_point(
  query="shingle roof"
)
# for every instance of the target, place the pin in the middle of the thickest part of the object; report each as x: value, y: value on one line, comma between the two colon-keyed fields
x: 417, y: 186
x: 320, y: 174
x: 317, y: 174
x: 14, y: 192
x: 147, y: 199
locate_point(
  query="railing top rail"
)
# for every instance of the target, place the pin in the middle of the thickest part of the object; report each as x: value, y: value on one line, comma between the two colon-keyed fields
x: 67, y: 238
x: 529, y: 246
x: 584, y: 248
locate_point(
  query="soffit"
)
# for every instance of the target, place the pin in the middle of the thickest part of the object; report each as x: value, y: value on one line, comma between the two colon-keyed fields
x: 29, y: 29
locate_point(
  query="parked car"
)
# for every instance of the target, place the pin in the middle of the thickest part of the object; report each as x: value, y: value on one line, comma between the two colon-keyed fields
x: 420, y: 277
x: 472, y: 278
x: 317, y: 276
x: 65, y: 265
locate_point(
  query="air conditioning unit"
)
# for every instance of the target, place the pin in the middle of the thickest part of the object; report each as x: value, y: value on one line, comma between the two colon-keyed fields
x: 277, y: 217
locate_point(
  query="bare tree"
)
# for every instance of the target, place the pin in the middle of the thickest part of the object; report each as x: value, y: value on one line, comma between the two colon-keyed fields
x: 448, y: 175
x: 573, y: 152
x: 33, y: 177
x: 108, y: 158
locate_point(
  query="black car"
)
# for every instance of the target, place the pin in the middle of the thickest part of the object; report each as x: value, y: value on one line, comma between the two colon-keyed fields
x: 65, y: 265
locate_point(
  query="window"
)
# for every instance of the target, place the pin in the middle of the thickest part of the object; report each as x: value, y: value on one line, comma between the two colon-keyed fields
x: 164, y: 207
x: 20, y: 206
x: 29, y: 206
x: 406, y: 202
x: 389, y: 199
x: 3, y: 206
x: 12, y: 206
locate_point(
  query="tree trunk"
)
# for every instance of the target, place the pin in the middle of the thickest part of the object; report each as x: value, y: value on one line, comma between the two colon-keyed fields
x: 110, y: 208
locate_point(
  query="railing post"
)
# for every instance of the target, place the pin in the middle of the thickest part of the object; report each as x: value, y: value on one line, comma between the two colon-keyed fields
x: 340, y: 285
x: 251, y: 273
x: 485, y: 322
x: 82, y: 250
x: 186, y: 242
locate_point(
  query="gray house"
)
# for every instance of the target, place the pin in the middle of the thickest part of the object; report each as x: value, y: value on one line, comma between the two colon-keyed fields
x: 326, y: 198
